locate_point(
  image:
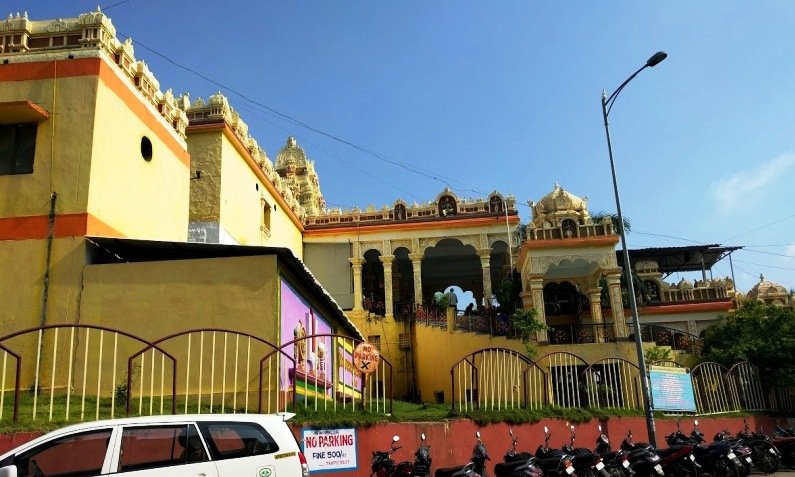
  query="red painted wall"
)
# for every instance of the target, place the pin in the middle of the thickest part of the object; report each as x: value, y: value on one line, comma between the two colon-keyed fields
x: 452, y: 441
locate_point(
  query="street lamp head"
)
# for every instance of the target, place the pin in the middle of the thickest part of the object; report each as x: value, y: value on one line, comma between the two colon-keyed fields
x: 656, y: 58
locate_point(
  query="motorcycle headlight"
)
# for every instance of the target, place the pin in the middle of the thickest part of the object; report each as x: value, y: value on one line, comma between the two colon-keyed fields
x: 653, y: 458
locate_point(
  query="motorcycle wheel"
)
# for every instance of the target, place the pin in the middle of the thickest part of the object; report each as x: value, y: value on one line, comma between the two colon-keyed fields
x: 745, y: 470
x: 683, y: 468
x: 764, y: 460
x: 725, y: 468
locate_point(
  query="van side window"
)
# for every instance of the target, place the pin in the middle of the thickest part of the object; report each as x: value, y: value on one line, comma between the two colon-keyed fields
x: 58, y: 457
x: 150, y: 447
x: 228, y: 440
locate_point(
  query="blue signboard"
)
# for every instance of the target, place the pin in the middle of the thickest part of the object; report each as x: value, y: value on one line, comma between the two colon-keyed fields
x: 671, y: 389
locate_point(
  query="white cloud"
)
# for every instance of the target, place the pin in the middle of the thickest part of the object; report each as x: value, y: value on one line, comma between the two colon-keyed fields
x: 740, y: 187
x: 790, y: 250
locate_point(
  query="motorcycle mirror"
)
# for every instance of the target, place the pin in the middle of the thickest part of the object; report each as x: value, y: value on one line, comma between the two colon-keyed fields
x: 422, y: 436
x: 546, y: 430
x: 695, y: 423
x: 572, y: 428
x: 477, y: 434
x: 600, y: 428
x: 510, y: 432
x: 395, y: 438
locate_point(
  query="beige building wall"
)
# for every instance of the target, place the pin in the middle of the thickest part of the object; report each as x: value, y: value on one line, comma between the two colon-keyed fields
x: 145, y: 199
x: 58, y: 165
x: 231, y: 196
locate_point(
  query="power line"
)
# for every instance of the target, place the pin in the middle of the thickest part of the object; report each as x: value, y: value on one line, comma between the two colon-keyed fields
x: 746, y: 249
x: 761, y: 227
x: 764, y: 265
x: 108, y: 7
x: 382, y: 157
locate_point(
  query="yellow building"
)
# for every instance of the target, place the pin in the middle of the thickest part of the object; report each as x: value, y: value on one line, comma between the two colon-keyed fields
x: 105, y: 181
x: 125, y: 207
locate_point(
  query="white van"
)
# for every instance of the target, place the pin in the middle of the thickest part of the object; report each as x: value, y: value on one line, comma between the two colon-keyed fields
x: 207, y: 445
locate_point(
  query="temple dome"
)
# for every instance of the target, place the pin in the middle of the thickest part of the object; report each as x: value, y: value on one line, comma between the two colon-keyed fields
x: 769, y: 292
x: 291, y: 154
x: 560, y: 202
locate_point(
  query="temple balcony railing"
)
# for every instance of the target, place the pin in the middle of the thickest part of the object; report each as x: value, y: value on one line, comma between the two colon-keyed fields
x: 578, y: 231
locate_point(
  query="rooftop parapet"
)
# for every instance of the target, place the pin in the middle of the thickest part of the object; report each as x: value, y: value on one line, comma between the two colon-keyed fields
x: 25, y: 40
x: 446, y: 207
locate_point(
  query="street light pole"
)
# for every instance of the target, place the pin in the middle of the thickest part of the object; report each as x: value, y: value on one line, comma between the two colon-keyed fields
x: 607, y: 105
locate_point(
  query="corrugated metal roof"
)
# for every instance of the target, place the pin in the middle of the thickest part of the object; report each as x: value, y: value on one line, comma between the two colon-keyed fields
x: 680, y: 259
x: 116, y: 250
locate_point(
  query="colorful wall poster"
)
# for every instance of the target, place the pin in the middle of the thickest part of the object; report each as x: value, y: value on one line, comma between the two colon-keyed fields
x: 309, y: 373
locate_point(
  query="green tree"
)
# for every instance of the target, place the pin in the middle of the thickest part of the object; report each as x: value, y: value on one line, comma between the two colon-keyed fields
x: 525, y: 325
x: 764, y: 335
x: 604, y: 216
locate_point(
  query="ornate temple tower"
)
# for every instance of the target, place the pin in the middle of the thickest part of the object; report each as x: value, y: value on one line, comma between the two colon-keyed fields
x: 299, y: 174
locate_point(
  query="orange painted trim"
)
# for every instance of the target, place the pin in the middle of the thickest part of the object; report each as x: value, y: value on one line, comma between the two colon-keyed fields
x: 250, y: 161
x: 98, y: 228
x: 413, y: 226
x: 571, y: 242
x: 21, y: 111
x: 66, y: 225
x: 705, y: 307
x: 152, y: 122
x: 44, y: 70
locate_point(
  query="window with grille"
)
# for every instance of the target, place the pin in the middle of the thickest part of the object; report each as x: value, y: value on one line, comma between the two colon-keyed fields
x: 375, y: 340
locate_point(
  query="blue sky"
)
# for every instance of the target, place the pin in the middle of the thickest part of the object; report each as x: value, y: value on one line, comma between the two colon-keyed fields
x: 483, y: 96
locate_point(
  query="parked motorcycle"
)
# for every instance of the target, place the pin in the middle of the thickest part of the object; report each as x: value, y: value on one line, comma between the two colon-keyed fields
x: 617, y: 462
x: 740, y: 449
x: 517, y: 464
x: 717, y: 459
x: 553, y: 462
x: 382, y: 464
x: 585, y: 462
x: 643, y: 458
x: 677, y: 459
x: 422, y: 459
x: 766, y: 456
x: 784, y: 440
x: 476, y: 467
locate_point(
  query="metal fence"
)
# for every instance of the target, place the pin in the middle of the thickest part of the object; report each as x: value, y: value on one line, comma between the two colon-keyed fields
x: 81, y: 372
x: 498, y: 378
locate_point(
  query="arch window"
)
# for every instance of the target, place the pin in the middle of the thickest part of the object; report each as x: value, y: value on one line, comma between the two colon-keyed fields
x: 400, y: 212
x: 496, y: 204
x: 447, y: 206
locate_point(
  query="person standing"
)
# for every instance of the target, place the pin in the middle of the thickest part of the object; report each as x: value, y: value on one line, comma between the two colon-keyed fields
x: 452, y: 298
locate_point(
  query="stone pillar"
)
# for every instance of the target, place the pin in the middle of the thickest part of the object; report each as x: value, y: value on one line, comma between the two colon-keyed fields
x: 387, y: 261
x: 416, y: 265
x: 356, y: 264
x: 595, y: 297
x: 537, y: 297
x: 485, y: 265
x: 617, y: 304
